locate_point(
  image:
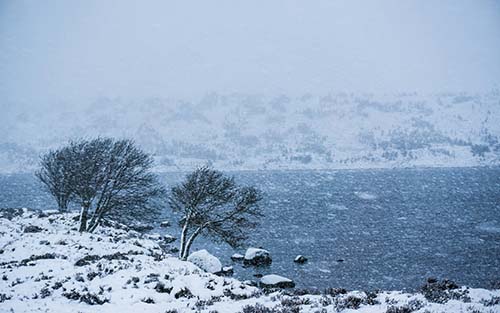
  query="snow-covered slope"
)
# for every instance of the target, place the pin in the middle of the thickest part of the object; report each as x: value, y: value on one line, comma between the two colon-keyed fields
x: 47, y: 266
x: 256, y: 132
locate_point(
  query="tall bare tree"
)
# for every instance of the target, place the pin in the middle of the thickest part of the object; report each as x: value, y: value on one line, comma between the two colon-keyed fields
x: 109, y: 177
x: 213, y: 205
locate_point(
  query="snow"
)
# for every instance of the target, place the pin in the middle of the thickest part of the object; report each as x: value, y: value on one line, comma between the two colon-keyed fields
x: 300, y: 259
x: 165, y: 224
x: 206, y: 261
x: 238, y: 131
x: 274, y: 279
x: 237, y: 256
x: 131, y: 273
x: 253, y: 253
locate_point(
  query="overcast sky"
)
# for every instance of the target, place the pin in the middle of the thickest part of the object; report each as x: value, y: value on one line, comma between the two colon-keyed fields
x: 53, y: 50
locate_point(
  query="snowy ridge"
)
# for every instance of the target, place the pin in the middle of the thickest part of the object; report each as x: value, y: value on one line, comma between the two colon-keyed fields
x: 46, y: 265
x: 240, y: 131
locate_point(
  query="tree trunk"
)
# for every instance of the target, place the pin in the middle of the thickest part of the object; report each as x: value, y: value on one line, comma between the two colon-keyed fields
x: 184, y: 236
x: 94, y: 222
x: 189, y: 243
x: 62, y: 204
x: 84, y: 216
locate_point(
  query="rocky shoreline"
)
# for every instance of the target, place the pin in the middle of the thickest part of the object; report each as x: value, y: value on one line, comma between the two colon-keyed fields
x: 47, y: 265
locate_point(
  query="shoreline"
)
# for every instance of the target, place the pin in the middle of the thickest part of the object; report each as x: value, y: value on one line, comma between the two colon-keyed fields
x: 119, y: 269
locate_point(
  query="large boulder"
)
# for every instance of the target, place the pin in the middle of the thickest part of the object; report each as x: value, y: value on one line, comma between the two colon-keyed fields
x: 206, y: 261
x: 276, y: 281
x: 257, y: 256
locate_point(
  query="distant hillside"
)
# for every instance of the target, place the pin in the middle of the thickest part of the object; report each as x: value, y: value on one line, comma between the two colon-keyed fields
x: 256, y: 132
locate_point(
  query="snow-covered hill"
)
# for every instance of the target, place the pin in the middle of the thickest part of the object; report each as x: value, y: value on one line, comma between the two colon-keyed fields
x: 47, y: 266
x: 240, y: 131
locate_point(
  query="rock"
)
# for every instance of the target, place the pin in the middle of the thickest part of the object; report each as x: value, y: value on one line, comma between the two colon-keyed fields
x: 276, y: 281
x: 47, y: 213
x: 258, y: 275
x: 227, y: 271
x: 184, y: 293
x: 165, y: 224
x: 154, y: 237
x: 257, y: 256
x: 250, y: 283
x: 237, y: 257
x: 204, y: 260
x: 300, y: 259
x: 141, y: 228
x: 32, y: 229
x: 169, y: 239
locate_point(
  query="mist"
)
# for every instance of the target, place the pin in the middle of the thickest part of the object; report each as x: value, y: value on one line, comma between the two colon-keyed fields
x: 60, y: 50
x: 282, y: 84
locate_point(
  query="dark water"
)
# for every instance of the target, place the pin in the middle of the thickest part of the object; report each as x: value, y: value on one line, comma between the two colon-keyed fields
x: 392, y: 228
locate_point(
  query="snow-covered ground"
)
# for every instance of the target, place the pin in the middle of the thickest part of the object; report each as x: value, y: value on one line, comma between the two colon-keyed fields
x: 46, y: 265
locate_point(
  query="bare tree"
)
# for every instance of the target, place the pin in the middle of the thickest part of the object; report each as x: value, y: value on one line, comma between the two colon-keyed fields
x: 109, y: 177
x: 213, y: 205
x: 54, y: 174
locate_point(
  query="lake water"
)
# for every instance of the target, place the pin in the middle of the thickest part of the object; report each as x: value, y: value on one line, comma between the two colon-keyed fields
x: 391, y: 228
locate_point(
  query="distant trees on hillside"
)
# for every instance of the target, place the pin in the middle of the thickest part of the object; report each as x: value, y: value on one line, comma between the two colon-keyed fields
x: 213, y: 205
x: 105, y: 177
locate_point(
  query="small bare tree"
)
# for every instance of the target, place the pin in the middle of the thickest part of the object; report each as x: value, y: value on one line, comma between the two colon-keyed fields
x: 106, y: 177
x: 213, y: 205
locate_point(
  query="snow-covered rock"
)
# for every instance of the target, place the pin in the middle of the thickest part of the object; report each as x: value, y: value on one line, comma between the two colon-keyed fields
x: 237, y: 257
x: 276, y: 281
x: 165, y: 224
x: 206, y: 261
x: 168, y: 239
x: 227, y: 271
x: 257, y: 256
x: 300, y: 259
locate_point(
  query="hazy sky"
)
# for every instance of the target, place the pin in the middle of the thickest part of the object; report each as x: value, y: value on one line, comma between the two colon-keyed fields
x: 85, y: 49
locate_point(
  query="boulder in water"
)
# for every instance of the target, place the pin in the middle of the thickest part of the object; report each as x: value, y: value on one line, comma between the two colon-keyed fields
x: 300, y: 259
x: 165, y: 224
x: 237, y: 257
x: 227, y: 271
x: 257, y: 256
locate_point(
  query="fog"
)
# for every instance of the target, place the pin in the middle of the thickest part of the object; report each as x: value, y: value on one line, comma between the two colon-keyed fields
x: 76, y: 50
x: 254, y: 84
